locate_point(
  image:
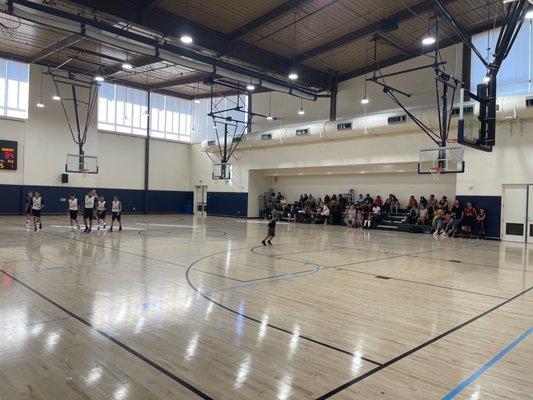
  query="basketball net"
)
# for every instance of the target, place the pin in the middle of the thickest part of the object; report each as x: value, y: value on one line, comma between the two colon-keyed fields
x: 435, y: 173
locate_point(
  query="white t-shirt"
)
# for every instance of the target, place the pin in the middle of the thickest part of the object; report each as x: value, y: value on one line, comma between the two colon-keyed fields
x: 376, y: 209
x: 101, y: 205
x: 89, y: 202
x: 115, y: 206
x: 73, y: 204
x: 325, y: 211
x: 37, y: 203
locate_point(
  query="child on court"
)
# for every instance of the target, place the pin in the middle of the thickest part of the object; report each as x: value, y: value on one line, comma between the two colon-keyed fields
x: 116, y: 213
x: 101, y: 212
x: 271, y: 229
x: 88, y: 211
x: 481, y: 219
x: 28, y: 208
x: 36, y: 209
x: 73, y: 209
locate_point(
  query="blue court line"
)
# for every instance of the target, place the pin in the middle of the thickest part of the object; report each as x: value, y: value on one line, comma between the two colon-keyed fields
x: 463, y: 385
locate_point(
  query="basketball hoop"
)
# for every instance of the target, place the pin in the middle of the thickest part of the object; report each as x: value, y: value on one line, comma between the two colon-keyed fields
x: 9, y: 24
x: 84, y: 172
x: 435, y: 173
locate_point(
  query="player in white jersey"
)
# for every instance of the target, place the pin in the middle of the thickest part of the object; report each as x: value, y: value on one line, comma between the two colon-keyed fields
x: 116, y: 213
x: 88, y: 211
x: 37, y: 205
x: 101, y: 212
x: 73, y: 209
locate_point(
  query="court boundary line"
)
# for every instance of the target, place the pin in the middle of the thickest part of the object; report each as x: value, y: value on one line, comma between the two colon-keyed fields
x: 114, y: 340
x: 419, y: 347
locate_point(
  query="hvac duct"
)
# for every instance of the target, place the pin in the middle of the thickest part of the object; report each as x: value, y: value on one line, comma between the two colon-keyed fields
x: 391, y: 122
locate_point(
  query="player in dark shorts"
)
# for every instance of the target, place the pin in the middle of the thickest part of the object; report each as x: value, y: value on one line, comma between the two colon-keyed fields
x: 271, y: 229
x: 73, y: 209
x: 36, y: 209
x: 116, y: 213
x: 27, y: 208
x: 101, y: 212
x: 88, y: 211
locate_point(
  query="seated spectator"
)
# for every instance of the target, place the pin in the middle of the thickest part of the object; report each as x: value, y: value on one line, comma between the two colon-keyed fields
x: 376, y: 213
x: 432, y: 204
x: 457, y: 215
x: 279, y: 197
x: 310, y: 199
x: 334, y: 197
x: 423, y: 201
x: 447, y: 224
x: 378, y: 201
x: 342, y: 201
x: 422, y: 215
x: 359, y: 219
x: 327, y: 199
x: 349, y: 219
x: 308, y: 215
x: 481, y: 220
x: 412, y: 203
x: 395, y: 205
x: 469, y: 217
x: 368, y: 202
x: 325, y: 213
x: 412, y: 217
x: 443, y: 203
x: 438, y: 220
x: 387, y: 205
x: 360, y: 200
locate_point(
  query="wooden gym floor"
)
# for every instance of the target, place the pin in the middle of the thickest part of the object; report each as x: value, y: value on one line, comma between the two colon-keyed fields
x: 184, y: 308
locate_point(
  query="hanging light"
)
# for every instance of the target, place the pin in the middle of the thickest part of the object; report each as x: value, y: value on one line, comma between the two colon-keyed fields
x: 99, y: 78
x: 127, y: 66
x: 428, y: 40
x: 269, y: 116
x: 293, y: 75
x: 250, y: 87
x: 186, y: 39
x: 197, y: 101
x: 529, y: 14
x: 301, y: 111
x: 486, y: 78
x: 40, y: 104
x: 365, y: 100
x: 56, y: 97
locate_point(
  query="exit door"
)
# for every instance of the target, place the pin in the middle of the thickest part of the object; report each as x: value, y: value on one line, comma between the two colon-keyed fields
x: 515, y: 213
x: 200, y: 196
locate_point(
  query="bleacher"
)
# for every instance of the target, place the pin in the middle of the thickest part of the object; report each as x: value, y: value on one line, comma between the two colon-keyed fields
x: 394, y: 222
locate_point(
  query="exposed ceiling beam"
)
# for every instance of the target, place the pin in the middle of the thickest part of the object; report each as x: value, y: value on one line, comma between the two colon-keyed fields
x: 169, y: 24
x: 367, y: 30
x: 398, y: 58
x: 137, y: 62
x: 57, y: 46
x: 231, y: 92
x: 267, y: 17
x: 181, y: 80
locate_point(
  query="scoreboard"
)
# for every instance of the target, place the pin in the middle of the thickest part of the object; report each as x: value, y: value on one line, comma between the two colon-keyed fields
x: 8, y: 155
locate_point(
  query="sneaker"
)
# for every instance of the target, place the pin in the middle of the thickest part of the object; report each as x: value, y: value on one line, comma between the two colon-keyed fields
x: 89, y: 230
x: 98, y: 228
x: 263, y: 243
x: 35, y: 229
x: 120, y: 229
x: 110, y: 229
x: 269, y: 242
x: 40, y: 225
x: 105, y: 226
x: 27, y: 224
x: 444, y: 233
x: 436, y: 233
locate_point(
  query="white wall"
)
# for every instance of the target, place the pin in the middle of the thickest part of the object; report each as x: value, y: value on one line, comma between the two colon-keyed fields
x: 402, y: 185
x: 44, y: 141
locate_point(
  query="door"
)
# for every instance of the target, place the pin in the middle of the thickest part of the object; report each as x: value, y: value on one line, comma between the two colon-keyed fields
x: 514, y: 213
x: 530, y: 215
x: 200, y: 196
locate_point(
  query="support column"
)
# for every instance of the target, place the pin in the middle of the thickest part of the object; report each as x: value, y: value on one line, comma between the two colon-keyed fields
x: 147, y: 155
x: 334, y: 84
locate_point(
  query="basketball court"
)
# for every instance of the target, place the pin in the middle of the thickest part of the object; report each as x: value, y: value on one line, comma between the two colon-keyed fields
x: 384, y: 149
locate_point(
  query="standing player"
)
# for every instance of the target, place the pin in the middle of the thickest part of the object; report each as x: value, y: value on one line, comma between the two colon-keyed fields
x: 36, y: 208
x: 88, y: 211
x: 116, y: 213
x: 271, y: 229
x: 101, y: 212
x: 95, y: 195
x: 28, y: 208
x: 73, y: 209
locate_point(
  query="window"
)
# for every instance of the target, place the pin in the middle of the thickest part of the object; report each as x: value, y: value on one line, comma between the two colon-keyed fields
x: 170, y: 118
x: 14, y: 89
x: 122, y: 109
x: 516, y: 72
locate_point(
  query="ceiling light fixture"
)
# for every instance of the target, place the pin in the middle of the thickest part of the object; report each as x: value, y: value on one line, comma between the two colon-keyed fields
x: 269, y: 116
x: 529, y: 14
x: 56, y: 97
x: 365, y: 99
x: 250, y: 87
x: 301, y: 111
x: 99, y: 78
x: 197, y: 101
x: 127, y: 66
x: 428, y: 41
x: 293, y: 75
x: 486, y: 78
x: 40, y: 104
x: 186, y: 39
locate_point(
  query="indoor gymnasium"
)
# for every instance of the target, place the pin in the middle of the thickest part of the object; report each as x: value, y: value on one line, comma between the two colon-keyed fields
x: 266, y: 199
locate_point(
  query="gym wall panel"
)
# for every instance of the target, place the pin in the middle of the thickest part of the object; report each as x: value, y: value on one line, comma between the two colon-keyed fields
x: 164, y: 201
x: 492, y: 206
x: 227, y: 204
x: 170, y: 165
x: 11, y: 199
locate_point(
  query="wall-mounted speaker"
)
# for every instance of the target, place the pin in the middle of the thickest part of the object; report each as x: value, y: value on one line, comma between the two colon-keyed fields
x: 64, y: 178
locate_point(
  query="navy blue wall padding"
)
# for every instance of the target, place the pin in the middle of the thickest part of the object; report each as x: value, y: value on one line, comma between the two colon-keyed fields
x: 13, y: 198
x: 492, y: 206
x: 164, y: 201
x: 227, y: 203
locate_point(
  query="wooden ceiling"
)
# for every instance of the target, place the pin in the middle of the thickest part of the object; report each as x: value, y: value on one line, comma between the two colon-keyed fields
x: 319, y: 35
